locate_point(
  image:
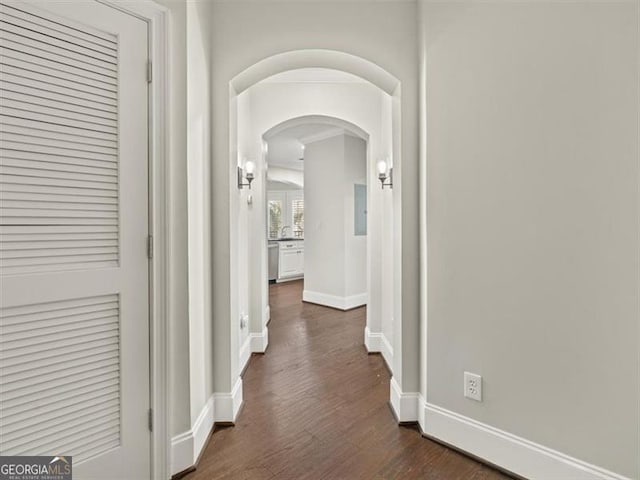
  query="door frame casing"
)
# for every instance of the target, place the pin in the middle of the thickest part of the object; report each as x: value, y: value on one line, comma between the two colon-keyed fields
x: 157, y: 18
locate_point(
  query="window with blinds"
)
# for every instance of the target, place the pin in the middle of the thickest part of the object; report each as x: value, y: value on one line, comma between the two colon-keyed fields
x: 285, y: 214
x: 297, y: 211
x: 58, y: 145
x: 275, y: 218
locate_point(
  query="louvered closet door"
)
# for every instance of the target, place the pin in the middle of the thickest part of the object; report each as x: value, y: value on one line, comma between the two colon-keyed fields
x: 74, y: 314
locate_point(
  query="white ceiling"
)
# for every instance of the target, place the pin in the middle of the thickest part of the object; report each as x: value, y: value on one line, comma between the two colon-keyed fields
x: 286, y: 148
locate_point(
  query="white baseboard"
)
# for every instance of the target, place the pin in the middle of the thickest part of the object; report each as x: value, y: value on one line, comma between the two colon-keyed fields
x: 372, y: 341
x: 404, y: 404
x: 182, y: 452
x: 259, y: 341
x: 245, y: 352
x: 506, y: 450
x: 186, y: 447
x: 378, y: 343
x: 421, y: 412
x: 387, y: 353
x: 289, y: 279
x: 334, y: 301
x: 227, y: 405
x: 267, y: 315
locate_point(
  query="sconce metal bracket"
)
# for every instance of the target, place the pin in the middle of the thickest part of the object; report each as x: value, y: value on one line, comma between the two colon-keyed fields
x: 241, y: 178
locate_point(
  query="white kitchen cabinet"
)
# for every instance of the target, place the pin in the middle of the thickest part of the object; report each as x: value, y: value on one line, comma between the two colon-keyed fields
x: 291, y: 260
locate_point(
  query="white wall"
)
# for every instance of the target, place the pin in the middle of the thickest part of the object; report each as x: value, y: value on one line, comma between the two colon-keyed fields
x: 355, y: 172
x: 335, y: 267
x: 244, y: 231
x: 280, y: 186
x: 294, y: 178
x: 335, y: 258
x: 532, y: 220
x: 324, y: 248
x: 384, y: 230
x: 198, y: 165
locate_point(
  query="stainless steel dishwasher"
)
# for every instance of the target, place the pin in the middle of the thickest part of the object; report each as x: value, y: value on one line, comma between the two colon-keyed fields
x: 273, y: 261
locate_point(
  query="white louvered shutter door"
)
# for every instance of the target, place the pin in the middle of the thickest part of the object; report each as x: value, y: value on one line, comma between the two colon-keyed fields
x: 74, y: 369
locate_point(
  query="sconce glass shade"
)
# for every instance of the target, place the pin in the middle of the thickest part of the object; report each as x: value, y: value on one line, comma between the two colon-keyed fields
x: 246, y: 173
x: 385, y: 174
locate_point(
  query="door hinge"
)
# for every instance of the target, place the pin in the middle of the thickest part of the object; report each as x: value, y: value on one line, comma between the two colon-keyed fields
x: 150, y: 420
x: 150, y: 247
x: 149, y: 71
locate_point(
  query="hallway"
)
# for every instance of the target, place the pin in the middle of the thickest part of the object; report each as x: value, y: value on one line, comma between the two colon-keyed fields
x: 316, y: 408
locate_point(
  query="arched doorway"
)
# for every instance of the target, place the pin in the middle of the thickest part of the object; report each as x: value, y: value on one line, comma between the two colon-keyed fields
x: 313, y: 130
x: 242, y: 258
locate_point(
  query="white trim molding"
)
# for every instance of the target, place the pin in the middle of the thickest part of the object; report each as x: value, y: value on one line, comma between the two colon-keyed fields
x: 186, y: 447
x: 378, y: 343
x: 513, y: 453
x: 372, y: 341
x: 259, y: 341
x: 182, y: 454
x: 404, y: 404
x: 157, y: 18
x: 387, y: 352
x: 245, y: 352
x: 227, y: 405
x: 421, y: 413
x: 289, y: 279
x: 334, y: 301
x: 267, y: 315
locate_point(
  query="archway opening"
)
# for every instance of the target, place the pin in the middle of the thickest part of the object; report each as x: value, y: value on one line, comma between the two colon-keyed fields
x: 293, y: 89
x: 316, y: 207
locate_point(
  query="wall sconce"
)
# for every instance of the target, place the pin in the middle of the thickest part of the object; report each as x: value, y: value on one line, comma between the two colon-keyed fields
x: 385, y: 174
x: 246, y: 174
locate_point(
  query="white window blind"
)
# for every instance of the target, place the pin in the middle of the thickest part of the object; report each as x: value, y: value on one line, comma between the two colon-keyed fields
x: 285, y: 215
x: 275, y: 218
x: 297, y: 210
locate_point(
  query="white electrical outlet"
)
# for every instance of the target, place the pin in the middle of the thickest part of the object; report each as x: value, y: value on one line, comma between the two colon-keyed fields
x: 473, y: 386
x: 244, y: 319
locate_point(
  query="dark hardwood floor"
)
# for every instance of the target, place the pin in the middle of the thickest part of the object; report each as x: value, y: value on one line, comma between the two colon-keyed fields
x: 316, y: 408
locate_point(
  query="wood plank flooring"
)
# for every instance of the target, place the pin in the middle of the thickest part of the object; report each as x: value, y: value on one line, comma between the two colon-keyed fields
x: 316, y: 408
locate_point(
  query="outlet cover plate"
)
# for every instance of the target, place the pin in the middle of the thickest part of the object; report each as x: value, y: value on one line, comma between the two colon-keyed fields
x: 473, y: 386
